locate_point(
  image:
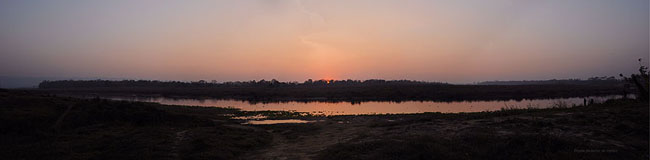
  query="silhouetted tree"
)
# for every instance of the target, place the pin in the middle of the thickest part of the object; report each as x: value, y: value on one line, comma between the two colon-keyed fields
x: 640, y: 81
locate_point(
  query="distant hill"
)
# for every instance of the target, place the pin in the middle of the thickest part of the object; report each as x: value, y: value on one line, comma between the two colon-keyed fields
x: 21, y: 82
x: 33, y: 82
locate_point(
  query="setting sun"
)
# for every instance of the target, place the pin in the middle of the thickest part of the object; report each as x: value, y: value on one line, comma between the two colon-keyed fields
x: 294, y: 40
x: 324, y: 79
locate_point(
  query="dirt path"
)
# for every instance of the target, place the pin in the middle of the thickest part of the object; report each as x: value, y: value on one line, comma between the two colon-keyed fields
x: 306, y: 146
x: 178, y: 140
x: 331, y: 132
x: 57, y: 124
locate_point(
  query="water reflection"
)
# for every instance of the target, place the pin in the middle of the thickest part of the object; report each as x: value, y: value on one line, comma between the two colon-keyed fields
x: 375, y: 107
x: 282, y: 121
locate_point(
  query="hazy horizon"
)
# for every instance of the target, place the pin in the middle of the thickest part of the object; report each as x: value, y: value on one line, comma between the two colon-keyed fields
x: 33, y: 82
x: 295, y: 40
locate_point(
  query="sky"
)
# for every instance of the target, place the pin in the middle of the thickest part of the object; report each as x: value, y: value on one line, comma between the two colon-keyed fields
x: 456, y: 41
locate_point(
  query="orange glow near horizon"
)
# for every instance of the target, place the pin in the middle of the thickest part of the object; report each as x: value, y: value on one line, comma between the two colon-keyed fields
x: 294, y: 40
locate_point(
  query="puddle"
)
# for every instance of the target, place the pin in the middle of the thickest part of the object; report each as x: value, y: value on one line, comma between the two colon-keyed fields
x: 280, y: 121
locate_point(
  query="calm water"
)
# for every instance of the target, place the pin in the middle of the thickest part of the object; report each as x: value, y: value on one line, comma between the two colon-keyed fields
x: 373, y: 107
x: 262, y: 122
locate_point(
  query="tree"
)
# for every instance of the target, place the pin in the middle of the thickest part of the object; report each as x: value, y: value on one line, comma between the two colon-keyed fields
x: 640, y: 82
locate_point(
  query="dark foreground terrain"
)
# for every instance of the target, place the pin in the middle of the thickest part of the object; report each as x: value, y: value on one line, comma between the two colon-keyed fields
x: 41, y: 126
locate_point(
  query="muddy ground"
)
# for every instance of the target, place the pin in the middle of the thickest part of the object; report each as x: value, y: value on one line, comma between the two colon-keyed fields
x: 38, y: 126
x: 616, y: 129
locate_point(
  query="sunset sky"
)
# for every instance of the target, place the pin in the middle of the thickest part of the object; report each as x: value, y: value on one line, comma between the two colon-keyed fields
x: 457, y: 41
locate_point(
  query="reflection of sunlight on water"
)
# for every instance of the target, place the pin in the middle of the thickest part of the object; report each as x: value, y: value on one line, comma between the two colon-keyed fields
x: 250, y: 117
x: 255, y: 122
x: 376, y: 107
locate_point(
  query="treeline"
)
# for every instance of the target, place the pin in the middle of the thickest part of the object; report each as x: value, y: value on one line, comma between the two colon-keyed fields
x: 591, y: 81
x: 202, y: 83
x: 328, y: 90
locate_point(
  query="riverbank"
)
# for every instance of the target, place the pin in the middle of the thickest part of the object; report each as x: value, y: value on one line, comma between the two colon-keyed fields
x: 338, y: 91
x: 42, y: 126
